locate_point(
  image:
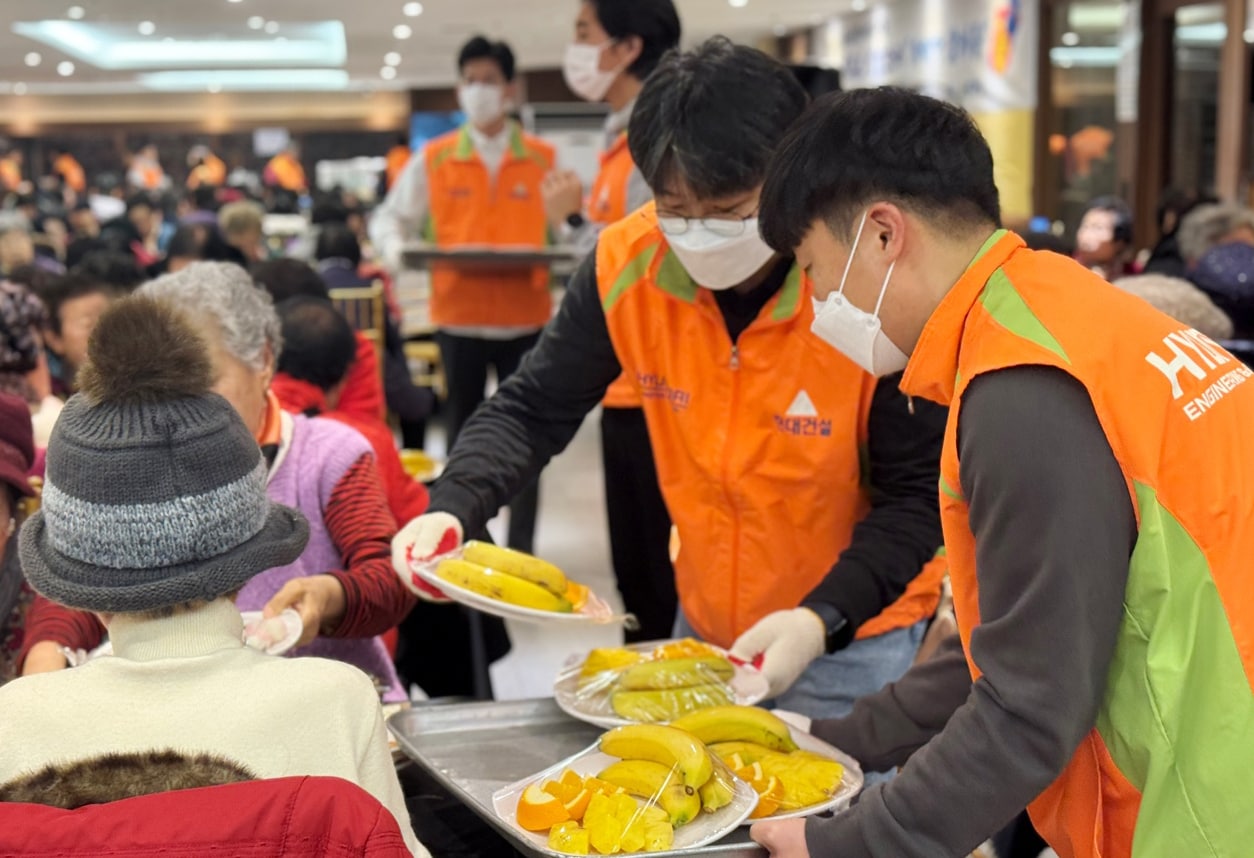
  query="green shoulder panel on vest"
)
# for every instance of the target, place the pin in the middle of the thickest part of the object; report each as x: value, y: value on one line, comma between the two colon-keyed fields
x: 949, y: 491
x: 1178, y: 715
x: 674, y: 279
x: 633, y: 272
x: 988, y: 244
x: 1007, y: 307
x: 465, y: 148
x: 789, y: 296
x: 941, y: 552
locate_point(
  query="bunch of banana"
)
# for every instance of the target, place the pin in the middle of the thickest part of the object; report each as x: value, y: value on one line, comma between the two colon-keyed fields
x: 508, y: 576
x: 669, y: 764
x: 664, y: 689
x: 744, y: 736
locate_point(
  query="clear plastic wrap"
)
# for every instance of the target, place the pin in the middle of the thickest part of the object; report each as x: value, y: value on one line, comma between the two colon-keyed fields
x: 654, y: 683
x: 517, y: 586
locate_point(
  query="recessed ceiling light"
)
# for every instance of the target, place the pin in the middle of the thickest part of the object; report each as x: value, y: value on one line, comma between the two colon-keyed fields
x: 235, y: 1
x: 33, y: 59
x: 737, y: 4
x: 402, y: 31
x: 147, y: 28
x: 65, y: 68
x: 75, y: 13
x: 391, y: 58
x: 1071, y: 39
x: 256, y: 22
x: 272, y: 27
x: 19, y: 88
x: 387, y: 72
x: 413, y: 10
x: 859, y: 5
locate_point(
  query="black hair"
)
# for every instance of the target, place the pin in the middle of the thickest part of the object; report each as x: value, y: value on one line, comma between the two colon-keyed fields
x: 33, y: 277
x: 479, y: 48
x: 1048, y: 241
x: 112, y: 268
x: 319, y: 345
x: 328, y: 208
x: 188, y: 242
x: 140, y: 200
x: 205, y: 198
x: 80, y: 248
x: 289, y: 278
x: 59, y: 291
x: 655, y: 22
x: 854, y: 148
x: 337, y: 241
x: 710, y: 118
x: 1123, y: 216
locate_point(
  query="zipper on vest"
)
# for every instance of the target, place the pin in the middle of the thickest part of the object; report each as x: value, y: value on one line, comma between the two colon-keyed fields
x: 910, y: 405
x: 734, y: 365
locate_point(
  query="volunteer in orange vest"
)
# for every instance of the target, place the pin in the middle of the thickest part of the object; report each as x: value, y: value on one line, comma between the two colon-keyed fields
x: 478, y: 185
x: 617, y: 45
x: 285, y: 171
x: 207, y: 170
x: 66, y: 166
x: 398, y: 156
x: 802, y: 489
x: 1095, y: 496
x: 11, y: 179
x: 145, y: 172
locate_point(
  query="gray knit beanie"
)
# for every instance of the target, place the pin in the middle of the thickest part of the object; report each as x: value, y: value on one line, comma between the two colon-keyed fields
x: 155, y: 492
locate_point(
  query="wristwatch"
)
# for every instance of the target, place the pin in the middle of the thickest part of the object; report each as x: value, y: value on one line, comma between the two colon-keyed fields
x: 575, y: 221
x: 839, y: 630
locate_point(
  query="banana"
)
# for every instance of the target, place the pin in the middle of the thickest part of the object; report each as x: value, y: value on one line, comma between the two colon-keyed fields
x: 500, y: 586
x: 651, y: 706
x: 519, y: 565
x: 738, y: 723
x: 675, y: 673
x: 665, y: 745
x: 655, y: 782
x: 718, y: 791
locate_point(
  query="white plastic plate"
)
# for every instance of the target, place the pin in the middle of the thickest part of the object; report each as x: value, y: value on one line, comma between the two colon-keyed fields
x: 707, y: 828
x: 748, y: 687
x: 274, y: 637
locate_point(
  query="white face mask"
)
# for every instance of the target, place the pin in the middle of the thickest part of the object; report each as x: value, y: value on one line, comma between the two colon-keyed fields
x: 482, y: 103
x: 582, y: 69
x: 716, y: 261
x: 856, y: 333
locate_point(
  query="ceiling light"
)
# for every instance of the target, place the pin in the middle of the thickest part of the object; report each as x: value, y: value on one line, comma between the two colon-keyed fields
x: 859, y: 5
x: 256, y: 22
x: 391, y: 58
x: 387, y: 72
x: 1071, y: 39
x: 272, y: 27
x: 65, y: 68
x: 75, y: 13
x: 402, y: 31
x: 245, y: 80
x: 19, y: 88
x: 147, y: 28
x: 738, y: 4
x: 235, y: 1
x: 33, y: 59
x: 413, y: 10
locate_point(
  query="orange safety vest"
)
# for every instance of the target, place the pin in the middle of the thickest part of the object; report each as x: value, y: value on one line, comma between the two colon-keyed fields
x: 210, y: 173
x: 286, y: 172
x: 606, y: 204
x: 468, y: 208
x: 398, y: 157
x: 759, y: 445
x: 1175, y: 732
x: 150, y: 173
x: 10, y: 174
x: 71, y: 172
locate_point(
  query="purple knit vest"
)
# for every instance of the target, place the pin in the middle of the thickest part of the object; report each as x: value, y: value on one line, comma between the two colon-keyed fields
x: 321, y: 452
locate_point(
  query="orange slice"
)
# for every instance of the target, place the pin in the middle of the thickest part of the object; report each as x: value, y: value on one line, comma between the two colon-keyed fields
x: 577, y: 594
x: 686, y: 648
x: 539, y: 810
x: 578, y: 806
x: 606, y: 788
x: 769, y: 798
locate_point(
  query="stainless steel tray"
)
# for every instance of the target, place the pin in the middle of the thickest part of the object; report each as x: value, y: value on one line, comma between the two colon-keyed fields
x: 474, y: 749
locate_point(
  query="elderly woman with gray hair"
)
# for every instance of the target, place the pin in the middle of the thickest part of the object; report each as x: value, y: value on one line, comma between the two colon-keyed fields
x: 342, y: 585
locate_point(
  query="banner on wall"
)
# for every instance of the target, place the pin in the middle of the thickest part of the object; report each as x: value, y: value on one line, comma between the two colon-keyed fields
x: 981, y: 54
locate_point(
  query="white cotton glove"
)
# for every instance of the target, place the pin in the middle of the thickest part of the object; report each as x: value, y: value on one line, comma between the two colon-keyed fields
x: 787, y: 641
x: 426, y: 537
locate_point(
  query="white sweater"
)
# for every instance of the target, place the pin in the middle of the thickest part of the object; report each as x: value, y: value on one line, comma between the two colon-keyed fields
x: 189, y: 683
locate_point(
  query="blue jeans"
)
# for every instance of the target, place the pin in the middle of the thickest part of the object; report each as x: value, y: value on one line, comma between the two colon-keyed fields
x: 833, y: 682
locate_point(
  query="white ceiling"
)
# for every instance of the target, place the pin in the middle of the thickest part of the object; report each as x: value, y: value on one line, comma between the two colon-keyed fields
x: 537, y: 29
